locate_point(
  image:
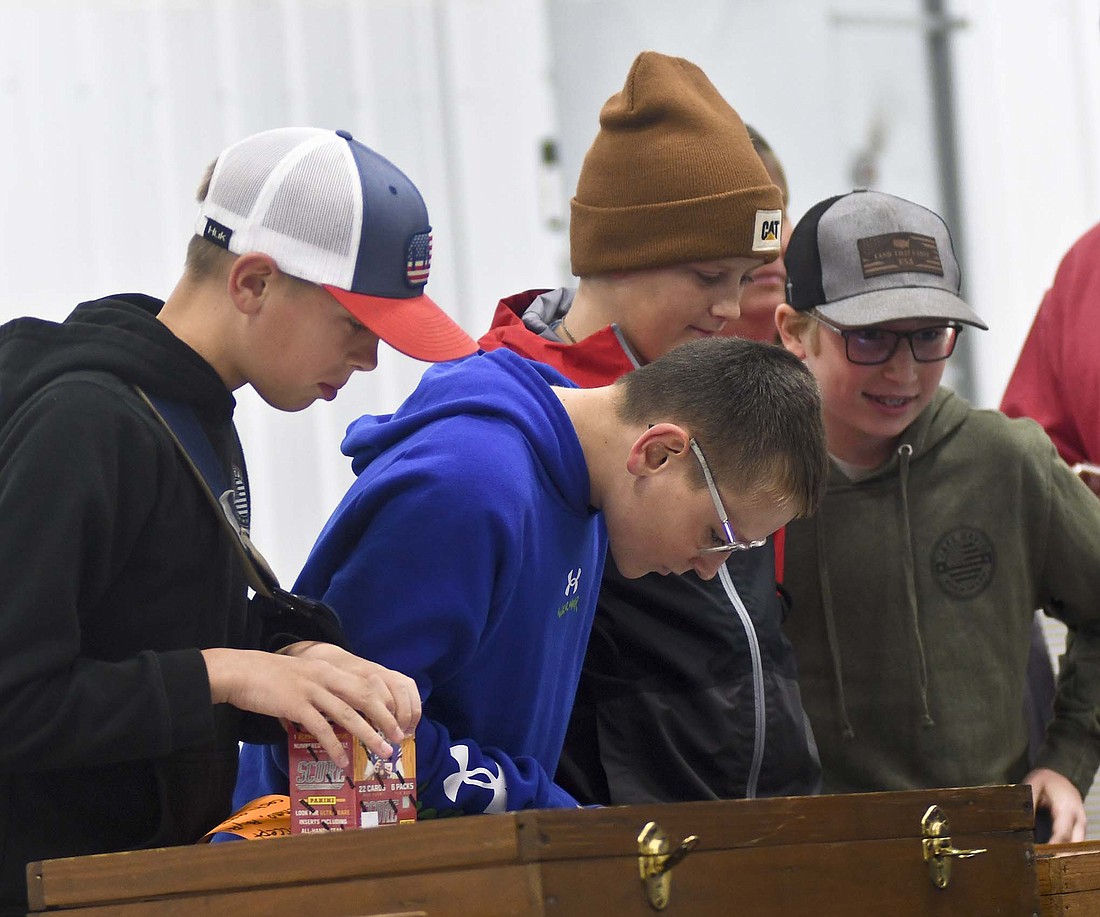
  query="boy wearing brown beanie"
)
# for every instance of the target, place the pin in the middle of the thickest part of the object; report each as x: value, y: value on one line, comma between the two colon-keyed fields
x: 689, y: 687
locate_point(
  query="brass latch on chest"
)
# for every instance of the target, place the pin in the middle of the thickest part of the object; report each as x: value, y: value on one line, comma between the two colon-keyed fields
x: 938, y: 849
x: 655, y: 863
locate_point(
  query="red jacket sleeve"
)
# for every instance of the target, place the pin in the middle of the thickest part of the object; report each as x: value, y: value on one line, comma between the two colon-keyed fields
x: 1057, y: 377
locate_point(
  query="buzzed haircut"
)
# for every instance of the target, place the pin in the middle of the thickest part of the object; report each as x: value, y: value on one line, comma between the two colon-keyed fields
x: 754, y: 409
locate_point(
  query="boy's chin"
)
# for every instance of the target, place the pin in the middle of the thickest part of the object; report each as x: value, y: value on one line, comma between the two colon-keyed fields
x: 630, y: 570
x: 291, y: 404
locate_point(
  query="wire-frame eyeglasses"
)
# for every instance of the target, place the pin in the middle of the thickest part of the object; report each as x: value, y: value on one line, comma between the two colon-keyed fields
x: 732, y: 544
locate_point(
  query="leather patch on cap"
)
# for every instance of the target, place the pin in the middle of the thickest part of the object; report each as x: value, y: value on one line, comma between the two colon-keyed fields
x: 898, y: 253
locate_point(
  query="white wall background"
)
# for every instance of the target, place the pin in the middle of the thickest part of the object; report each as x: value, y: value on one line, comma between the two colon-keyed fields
x: 1029, y: 105
x: 110, y: 109
x: 109, y: 112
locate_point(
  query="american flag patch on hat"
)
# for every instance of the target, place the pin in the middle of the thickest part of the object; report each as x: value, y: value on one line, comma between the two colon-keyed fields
x: 419, y: 260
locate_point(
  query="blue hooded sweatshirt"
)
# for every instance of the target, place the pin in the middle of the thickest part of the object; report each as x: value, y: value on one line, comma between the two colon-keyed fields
x: 466, y: 555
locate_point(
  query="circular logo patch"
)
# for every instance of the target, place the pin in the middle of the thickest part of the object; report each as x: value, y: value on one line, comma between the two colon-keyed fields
x: 962, y: 562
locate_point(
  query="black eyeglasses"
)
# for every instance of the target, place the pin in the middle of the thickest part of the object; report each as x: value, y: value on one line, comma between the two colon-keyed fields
x: 871, y: 346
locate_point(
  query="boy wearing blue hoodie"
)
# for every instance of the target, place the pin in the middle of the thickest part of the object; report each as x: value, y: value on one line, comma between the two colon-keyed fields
x: 468, y: 553
x: 689, y: 688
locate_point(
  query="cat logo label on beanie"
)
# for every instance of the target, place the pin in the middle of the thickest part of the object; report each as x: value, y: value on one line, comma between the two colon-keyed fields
x: 769, y: 227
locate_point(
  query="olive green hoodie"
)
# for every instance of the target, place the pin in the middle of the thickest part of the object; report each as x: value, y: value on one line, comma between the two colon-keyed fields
x: 914, y: 590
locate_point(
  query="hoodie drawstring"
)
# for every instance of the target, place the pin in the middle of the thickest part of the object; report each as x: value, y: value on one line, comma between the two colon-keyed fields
x: 830, y: 626
x: 905, y: 453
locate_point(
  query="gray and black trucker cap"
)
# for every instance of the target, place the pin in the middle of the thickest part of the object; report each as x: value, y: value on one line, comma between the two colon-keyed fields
x: 865, y: 257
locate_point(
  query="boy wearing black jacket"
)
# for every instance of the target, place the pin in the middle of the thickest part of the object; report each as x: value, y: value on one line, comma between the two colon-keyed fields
x: 130, y: 654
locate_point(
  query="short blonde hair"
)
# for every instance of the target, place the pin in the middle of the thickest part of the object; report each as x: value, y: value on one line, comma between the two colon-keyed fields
x: 204, y: 259
x: 807, y: 328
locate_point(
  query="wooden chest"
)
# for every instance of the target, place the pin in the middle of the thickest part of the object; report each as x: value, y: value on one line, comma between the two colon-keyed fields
x: 824, y: 856
x: 1068, y: 877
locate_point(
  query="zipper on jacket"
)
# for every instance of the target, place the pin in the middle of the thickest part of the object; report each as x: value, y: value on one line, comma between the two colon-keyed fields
x: 753, y: 778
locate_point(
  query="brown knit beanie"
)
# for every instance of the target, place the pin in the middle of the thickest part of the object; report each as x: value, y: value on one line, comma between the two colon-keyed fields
x: 671, y: 177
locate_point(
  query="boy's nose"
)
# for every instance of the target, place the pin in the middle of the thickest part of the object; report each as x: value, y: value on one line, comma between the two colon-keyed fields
x: 902, y: 365
x: 707, y: 565
x: 365, y: 355
x: 728, y: 307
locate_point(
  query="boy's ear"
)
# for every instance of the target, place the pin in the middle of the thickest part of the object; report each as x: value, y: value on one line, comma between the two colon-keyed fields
x: 792, y: 341
x: 652, y: 450
x: 249, y: 279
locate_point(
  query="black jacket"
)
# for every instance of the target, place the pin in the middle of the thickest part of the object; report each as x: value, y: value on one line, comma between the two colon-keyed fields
x: 114, y: 573
x: 681, y: 698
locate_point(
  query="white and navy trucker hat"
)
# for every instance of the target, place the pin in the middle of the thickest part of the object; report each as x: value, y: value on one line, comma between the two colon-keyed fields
x: 331, y: 211
x: 867, y: 257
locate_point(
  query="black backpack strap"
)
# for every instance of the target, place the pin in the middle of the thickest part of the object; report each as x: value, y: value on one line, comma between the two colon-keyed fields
x: 194, y: 446
x: 295, y: 617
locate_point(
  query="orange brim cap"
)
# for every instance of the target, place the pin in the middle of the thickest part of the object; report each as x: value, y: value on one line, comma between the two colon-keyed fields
x: 416, y: 326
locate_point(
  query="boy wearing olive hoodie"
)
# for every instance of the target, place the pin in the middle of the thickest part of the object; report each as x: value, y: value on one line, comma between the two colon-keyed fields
x: 943, y: 528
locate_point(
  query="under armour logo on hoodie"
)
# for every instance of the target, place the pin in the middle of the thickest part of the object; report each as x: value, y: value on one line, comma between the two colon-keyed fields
x: 480, y: 777
x: 572, y: 583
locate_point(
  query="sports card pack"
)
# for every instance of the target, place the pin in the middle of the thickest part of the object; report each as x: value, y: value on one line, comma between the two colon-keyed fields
x: 323, y: 797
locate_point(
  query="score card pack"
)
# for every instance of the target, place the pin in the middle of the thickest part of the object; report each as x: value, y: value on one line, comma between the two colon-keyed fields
x: 323, y: 797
